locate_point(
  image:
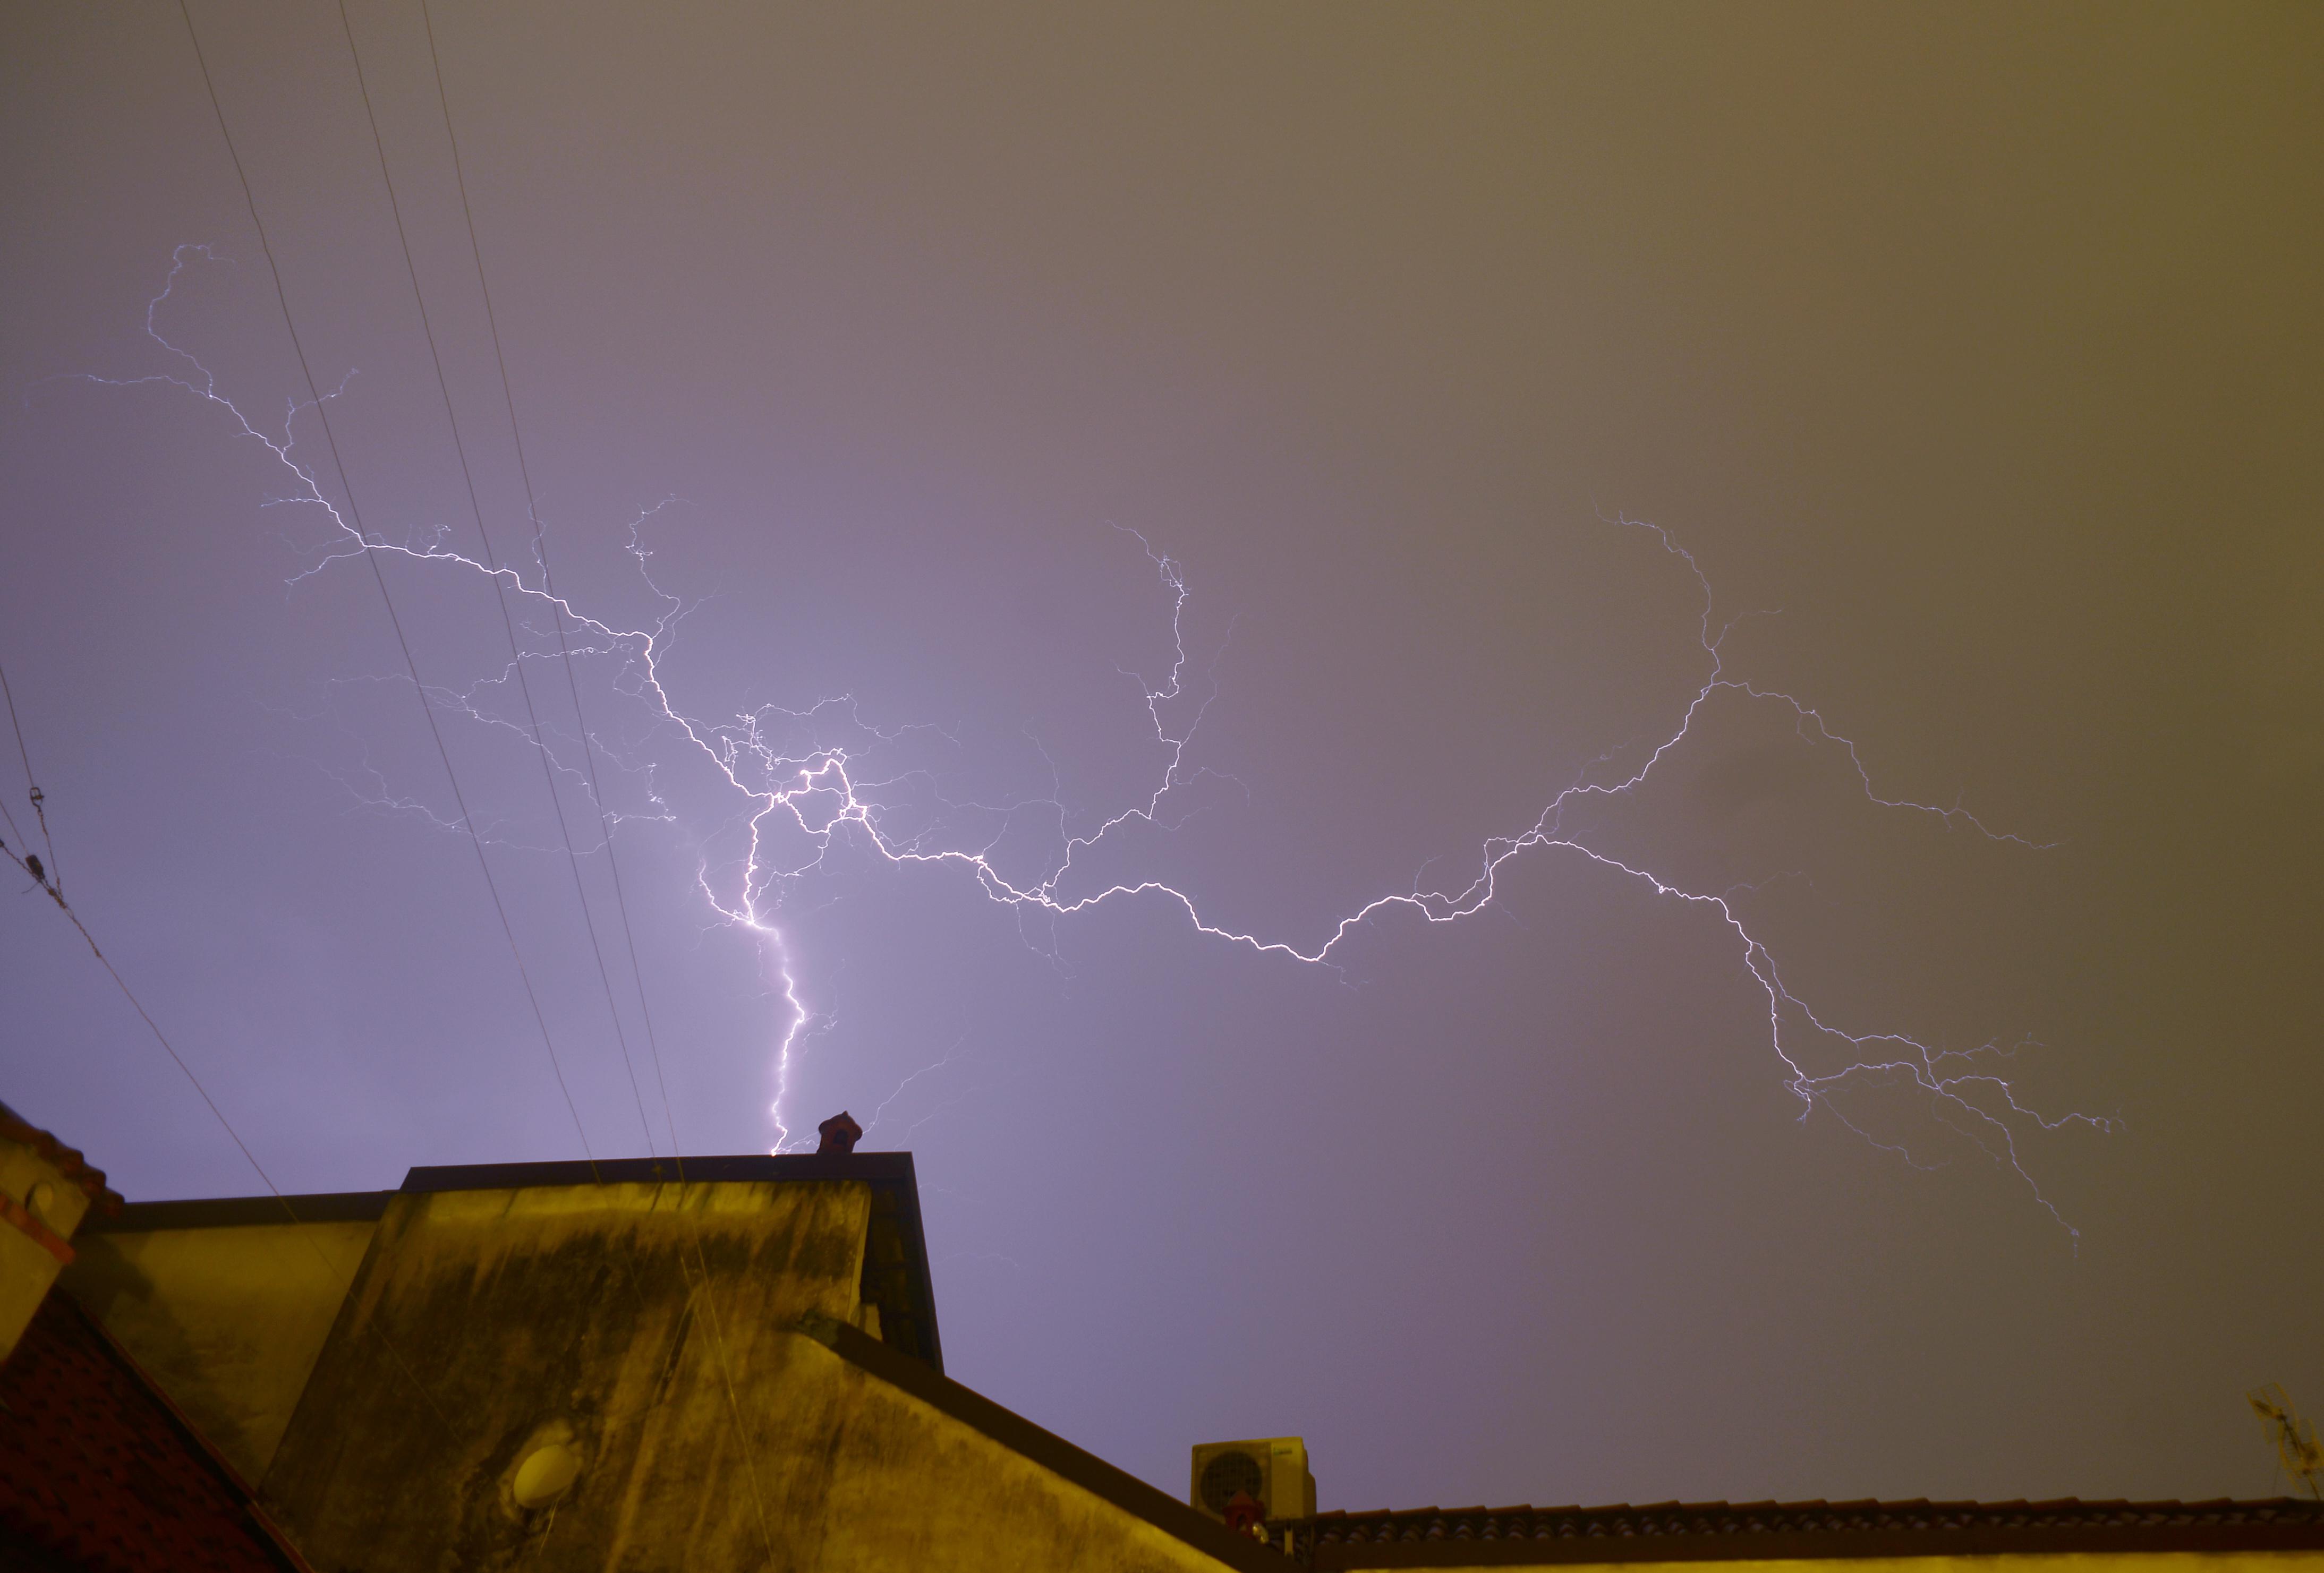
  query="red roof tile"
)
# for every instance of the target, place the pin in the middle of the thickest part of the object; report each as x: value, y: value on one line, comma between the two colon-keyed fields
x: 98, y: 1471
x: 1676, y: 1531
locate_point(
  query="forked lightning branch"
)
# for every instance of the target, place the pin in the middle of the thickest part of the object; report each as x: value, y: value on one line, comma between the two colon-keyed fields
x: 798, y: 804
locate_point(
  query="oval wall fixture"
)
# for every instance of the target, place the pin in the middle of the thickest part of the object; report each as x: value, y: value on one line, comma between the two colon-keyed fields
x: 545, y: 1475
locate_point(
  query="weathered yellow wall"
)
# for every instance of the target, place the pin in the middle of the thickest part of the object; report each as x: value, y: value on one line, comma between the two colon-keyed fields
x: 2064, y: 1562
x: 485, y: 1321
x: 228, y: 1319
x: 648, y: 1327
x: 889, y: 1482
x: 41, y: 1188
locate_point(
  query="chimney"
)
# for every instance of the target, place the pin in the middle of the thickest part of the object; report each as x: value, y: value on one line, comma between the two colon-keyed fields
x: 840, y: 1134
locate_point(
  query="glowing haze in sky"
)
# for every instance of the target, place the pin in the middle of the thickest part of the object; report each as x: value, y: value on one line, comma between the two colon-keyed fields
x: 800, y: 792
x: 1574, y: 747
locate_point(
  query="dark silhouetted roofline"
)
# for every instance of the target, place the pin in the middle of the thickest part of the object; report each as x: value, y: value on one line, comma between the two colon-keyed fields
x: 876, y: 1167
x: 1721, y: 1531
x: 230, y: 1211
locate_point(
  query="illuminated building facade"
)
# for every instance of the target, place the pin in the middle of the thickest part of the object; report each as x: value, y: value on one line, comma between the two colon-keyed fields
x: 621, y: 1366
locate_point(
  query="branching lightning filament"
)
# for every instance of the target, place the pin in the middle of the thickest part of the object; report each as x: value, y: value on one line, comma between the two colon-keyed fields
x: 796, y: 802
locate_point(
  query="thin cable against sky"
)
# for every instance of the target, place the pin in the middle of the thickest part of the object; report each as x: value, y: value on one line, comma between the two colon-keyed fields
x: 500, y: 590
x: 565, y: 653
x: 330, y: 1269
x: 355, y: 513
x: 32, y: 783
x: 557, y: 611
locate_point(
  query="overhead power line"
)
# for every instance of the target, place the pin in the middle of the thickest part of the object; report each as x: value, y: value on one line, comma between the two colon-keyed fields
x: 588, y: 744
x: 32, y: 782
x: 32, y: 865
x: 524, y: 473
x: 492, y: 559
x: 355, y: 514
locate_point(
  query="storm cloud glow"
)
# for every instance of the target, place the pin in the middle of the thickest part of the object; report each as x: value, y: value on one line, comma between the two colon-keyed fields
x: 1574, y: 747
x: 800, y: 794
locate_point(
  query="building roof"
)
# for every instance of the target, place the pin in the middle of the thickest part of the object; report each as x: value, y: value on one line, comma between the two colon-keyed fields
x: 136, y: 1218
x: 895, y: 1259
x: 896, y: 1253
x: 68, y: 1160
x: 1676, y: 1531
x: 98, y: 1472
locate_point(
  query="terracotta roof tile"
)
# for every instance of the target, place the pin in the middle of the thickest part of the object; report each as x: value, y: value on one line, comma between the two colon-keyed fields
x: 1719, y: 1531
x: 69, y: 1162
x: 97, y: 1470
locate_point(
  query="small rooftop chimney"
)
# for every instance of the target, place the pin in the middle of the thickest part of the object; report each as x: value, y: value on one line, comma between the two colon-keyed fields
x: 840, y: 1134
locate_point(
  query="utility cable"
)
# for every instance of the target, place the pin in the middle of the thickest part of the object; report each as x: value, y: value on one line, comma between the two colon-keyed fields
x: 500, y: 590
x: 39, y: 798
x: 540, y: 547
x: 588, y: 746
x: 355, y: 512
x: 330, y: 1269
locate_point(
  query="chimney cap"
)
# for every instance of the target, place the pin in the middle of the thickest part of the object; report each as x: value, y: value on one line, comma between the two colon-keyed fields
x: 840, y: 1134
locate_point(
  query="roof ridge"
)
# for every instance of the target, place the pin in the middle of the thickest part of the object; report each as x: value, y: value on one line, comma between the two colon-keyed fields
x: 2302, y: 1506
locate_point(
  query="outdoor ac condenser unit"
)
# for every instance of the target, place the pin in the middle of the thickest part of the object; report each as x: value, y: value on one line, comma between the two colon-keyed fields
x: 1274, y: 1469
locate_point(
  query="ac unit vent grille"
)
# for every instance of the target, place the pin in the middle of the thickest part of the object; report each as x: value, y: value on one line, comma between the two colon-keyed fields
x: 1227, y: 1473
x: 1270, y: 1470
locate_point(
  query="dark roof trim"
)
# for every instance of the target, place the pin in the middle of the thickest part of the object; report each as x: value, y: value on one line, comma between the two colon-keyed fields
x: 1724, y: 1531
x: 229, y: 1211
x: 1052, y: 1452
x: 891, y: 1171
x: 742, y: 1167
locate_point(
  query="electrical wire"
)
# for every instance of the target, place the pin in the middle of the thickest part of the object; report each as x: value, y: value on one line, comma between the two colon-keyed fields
x: 56, y: 894
x: 557, y: 611
x: 39, y: 799
x: 355, y: 512
x: 500, y: 590
x: 589, y: 741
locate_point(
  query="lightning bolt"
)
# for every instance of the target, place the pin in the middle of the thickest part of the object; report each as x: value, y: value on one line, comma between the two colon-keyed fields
x: 797, y: 800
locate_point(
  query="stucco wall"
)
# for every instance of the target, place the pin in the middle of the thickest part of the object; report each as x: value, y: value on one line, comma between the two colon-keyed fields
x: 227, y: 1320
x: 884, y: 1482
x: 634, y: 1323
x: 649, y: 1329
x: 39, y: 1208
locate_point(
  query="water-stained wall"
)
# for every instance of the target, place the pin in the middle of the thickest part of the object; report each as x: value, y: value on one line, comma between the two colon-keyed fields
x: 612, y: 1376
x: 226, y: 1316
x: 610, y: 1319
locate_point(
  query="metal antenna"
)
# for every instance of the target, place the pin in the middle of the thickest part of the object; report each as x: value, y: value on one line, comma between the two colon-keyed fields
x: 2296, y: 1448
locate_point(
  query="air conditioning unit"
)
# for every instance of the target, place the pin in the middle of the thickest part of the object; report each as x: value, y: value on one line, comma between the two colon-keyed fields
x: 1273, y: 1469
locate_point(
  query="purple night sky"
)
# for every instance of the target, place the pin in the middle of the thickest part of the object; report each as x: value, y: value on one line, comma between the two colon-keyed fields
x: 869, y: 357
